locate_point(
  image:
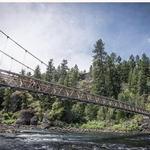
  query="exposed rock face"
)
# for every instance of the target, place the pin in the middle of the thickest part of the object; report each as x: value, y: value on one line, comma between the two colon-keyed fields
x: 45, y: 122
x: 15, y: 101
x: 34, y: 120
x: 27, y: 117
x: 145, y: 124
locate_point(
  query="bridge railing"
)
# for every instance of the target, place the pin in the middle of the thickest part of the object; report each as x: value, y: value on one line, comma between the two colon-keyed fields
x: 14, y: 80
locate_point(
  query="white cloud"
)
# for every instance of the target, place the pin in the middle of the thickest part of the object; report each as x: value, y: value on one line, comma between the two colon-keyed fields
x: 48, y: 33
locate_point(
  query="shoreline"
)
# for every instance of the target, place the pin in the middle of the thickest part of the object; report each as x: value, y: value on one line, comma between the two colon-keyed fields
x: 14, y: 129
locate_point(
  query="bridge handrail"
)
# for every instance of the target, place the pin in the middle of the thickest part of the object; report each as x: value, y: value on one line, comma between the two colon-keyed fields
x: 56, y: 84
x: 94, y: 96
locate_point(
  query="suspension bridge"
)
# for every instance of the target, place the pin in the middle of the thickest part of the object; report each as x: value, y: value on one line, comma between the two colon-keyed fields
x: 22, y: 82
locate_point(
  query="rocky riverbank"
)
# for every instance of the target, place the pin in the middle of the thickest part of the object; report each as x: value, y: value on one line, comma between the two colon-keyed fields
x: 27, y: 128
x: 27, y: 120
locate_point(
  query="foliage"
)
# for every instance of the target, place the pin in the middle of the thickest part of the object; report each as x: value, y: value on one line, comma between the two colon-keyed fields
x: 94, y: 125
x: 63, y: 71
x: 37, y: 72
x: 99, y: 68
x: 78, y: 112
x: 8, y: 118
x: 109, y: 75
x: 129, y: 125
x: 91, y: 111
x: 57, y: 111
x: 36, y: 106
x: 50, y: 71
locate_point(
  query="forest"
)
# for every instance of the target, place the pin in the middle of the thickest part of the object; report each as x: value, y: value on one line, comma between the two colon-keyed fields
x: 109, y: 75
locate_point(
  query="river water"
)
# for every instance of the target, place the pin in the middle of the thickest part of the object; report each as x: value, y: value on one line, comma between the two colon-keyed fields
x: 42, y: 140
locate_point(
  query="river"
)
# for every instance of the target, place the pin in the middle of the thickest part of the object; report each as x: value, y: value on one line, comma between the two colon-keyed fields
x: 43, y: 140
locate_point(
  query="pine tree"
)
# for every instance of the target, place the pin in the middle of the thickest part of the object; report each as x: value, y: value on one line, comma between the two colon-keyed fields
x: 37, y: 72
x: 29, y: 74
x: 91, y: 71
x: 23, y: 72
x: 63, y: 71
x: 134, y: 80
x: 113, y: 76
x: 74, y: 76
x: 99, y: 68
x: 7, y: 98
x: 132, y: 65
x: 67, y: 80
x: 125, y: 71
x: 118, y: 79
x: 56, y: 74
x: 91, y: 112
x: 144, y: 75
x: 78, y: 112
x: 110, y: 76
x: 50, y: 71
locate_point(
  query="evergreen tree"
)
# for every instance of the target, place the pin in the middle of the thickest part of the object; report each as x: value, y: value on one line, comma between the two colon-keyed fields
x: 132, y: 65
x: 134, y: 80
x: 118, y: 79
x: 63, y: 71
x: 113, y: 76
x: 57, y: 111
x: 144, y: 75
x: 125, y: 71
x: 22, y: 72
x: 67, y: 80
x: 56, y: 74
x: 91, y: 112
x: 74, y: 76
x: 99, y: 68
x: 91, y: 71
x: 37, y: 72
x: 29, y: 74
x: 50, y: 71
x: 7, y: 97
x: 78, y: 112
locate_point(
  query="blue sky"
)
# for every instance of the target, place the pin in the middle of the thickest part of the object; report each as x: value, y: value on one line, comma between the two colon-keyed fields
x: 69, y: 31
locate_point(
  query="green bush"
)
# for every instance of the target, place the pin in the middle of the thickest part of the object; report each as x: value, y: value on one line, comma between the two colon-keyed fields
x: 94, y: 125
x: 8, y: 118
x: 57, y: 111
x: 9, y: 121
x: 131, y: 125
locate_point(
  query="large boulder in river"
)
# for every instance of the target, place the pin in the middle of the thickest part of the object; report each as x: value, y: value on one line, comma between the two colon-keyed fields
x: 25, y: 117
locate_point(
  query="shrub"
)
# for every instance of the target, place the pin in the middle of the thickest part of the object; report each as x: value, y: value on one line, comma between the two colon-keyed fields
x: 94, y: 125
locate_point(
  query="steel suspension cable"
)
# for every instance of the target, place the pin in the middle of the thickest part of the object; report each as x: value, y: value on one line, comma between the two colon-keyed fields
x: 42, y: 62
x: 12, y: 58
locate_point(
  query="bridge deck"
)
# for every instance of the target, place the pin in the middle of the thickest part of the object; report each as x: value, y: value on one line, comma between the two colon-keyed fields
x: 18, y: 81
